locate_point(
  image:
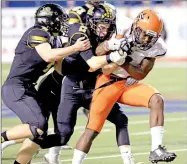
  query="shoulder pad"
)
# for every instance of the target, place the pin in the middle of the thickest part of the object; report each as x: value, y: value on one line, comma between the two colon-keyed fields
x: 158, y: 50
x: 76, y: 15
x: 37, y: 36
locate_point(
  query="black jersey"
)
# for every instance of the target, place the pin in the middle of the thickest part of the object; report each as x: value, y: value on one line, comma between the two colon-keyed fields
x: 27, y: 65
x: 75, y: 65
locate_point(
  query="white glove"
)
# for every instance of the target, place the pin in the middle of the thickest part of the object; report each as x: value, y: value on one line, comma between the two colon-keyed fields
x: 113, y: 44
x: 117, y: 57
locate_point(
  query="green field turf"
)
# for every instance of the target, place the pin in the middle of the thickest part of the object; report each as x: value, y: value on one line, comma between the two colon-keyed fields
x: 105, y: 146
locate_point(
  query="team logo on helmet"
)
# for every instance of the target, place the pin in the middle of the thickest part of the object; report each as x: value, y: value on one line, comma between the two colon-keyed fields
x: 141, y: 15
x: 108, y: 13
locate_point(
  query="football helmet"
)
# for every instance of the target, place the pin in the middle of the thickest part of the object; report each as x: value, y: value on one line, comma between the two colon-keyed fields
x: 101, y: 14
x: 146, y: 29
x: 53, y: 17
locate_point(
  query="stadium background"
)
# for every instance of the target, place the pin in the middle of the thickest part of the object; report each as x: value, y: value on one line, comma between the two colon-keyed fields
x: 169, y: 76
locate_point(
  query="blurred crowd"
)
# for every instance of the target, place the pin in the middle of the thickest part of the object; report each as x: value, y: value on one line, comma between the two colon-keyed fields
x: 71, y: 3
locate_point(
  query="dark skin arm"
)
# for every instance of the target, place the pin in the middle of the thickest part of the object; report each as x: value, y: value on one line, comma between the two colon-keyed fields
x: 141, y: 72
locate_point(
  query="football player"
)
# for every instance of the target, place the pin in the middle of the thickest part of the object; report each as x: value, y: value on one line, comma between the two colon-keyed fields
x: 76, y: 86
x: 142, y: 47
x: 34, y: 56
x: 49, y: 94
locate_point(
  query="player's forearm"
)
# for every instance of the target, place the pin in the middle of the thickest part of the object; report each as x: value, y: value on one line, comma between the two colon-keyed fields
x: 135, y: 72
x: 109, y: 68
x: 109, y: 45
x: 101, y: 49
x: 96, y: 62
x: 51, y: 55
x: 59, y: 53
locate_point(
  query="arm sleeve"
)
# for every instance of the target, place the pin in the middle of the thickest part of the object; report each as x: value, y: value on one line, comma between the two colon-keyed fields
x: 77, y: 31
x: 36, y: 37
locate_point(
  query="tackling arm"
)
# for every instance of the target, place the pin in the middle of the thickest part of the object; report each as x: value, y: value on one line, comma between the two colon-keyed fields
x: 109, y: 45
x: 108, y: 69
x: 40, y: 40
x: 94, y: 62
x: 103, y: 50
x: 50, y: 55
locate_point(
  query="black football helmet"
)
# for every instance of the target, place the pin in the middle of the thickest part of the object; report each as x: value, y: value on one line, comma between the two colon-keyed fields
x: 54, y: 18
x: 101, y: 14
